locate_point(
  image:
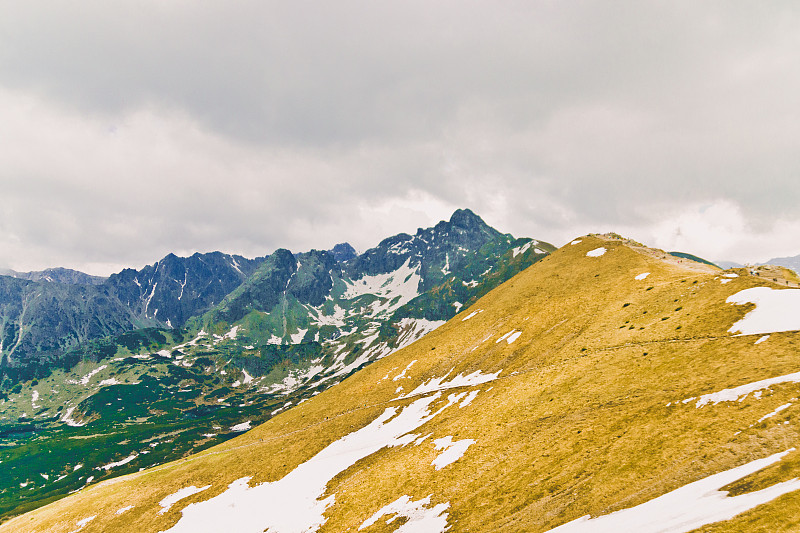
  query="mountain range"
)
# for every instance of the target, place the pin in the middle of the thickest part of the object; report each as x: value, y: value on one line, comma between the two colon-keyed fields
x: 189, y: 352
x: 606, y: 387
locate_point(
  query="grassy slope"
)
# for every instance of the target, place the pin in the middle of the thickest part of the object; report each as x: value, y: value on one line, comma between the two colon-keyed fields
x: 576, y: 424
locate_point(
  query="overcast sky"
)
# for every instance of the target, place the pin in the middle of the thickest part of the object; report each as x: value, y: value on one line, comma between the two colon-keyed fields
x: 129, y: 130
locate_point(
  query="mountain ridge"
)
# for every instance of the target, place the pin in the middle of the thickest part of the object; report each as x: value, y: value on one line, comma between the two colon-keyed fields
x: 601, y: 378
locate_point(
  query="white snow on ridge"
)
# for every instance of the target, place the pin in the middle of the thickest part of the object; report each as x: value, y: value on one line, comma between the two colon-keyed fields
x: 736, y: 393
x: 402, y: 374
x: 521, y: 249
x: 775, y: 412
x: 509, y: 337
x: 420, y: 518
x: 68, y: 420
x: 689, y: 507
x: 297, y: 338
x: 125, y: 461
x: 576, y: 241
x: 293, y: 503
x: 244, y: 426
x: 82, y: 523
x: 399, y: 287
x: 776, y: 310
x: 472, y: 314
x: 597, y: 252
x: 452, y: 451
x: 336, y: 319
x: 414, y: 329
x: 642, y: 276
x: 439, y: 384
x: 85, y: 379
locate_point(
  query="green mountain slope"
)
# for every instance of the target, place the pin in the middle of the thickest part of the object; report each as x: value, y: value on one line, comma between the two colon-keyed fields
x: 596, y: 382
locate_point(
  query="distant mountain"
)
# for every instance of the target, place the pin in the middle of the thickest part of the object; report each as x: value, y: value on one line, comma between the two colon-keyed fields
x: 292, y: 326
x: 728, y: 264
x: 40, y: 320
x: 56, y: 275
x: 176, y: 288
x: 788, y: 262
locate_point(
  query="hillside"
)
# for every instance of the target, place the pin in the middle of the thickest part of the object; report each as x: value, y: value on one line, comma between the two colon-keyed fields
x: 297, y: 325
x: 594, y: 383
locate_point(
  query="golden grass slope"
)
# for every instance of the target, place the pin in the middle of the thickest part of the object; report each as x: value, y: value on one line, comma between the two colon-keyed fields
x: 577, y: 422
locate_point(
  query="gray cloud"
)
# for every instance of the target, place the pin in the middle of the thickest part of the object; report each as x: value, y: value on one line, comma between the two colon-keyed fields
x: 132, y: 129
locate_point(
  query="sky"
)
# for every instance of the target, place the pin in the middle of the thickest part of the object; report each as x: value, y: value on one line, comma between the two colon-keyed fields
x: 134, y: 129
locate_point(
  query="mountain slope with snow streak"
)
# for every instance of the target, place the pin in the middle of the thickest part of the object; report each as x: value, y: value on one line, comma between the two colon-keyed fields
x: 590, y: 417
x: 294, y: 325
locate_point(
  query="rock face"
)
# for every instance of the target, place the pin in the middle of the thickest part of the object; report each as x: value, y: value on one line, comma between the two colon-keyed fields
x: 177, y: 288
x: 40, y: 320
x: 428, y: 275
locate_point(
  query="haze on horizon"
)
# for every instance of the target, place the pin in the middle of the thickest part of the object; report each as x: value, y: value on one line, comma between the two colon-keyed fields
x: 135, y: 129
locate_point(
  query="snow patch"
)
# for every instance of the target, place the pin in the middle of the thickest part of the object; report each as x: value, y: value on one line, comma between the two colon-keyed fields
x: 413, y: 329
x: 520, y: 249
x: 642, y: 276
x: 509, y: 337
x: 244, y: 426
x: 402, y: 374
x: 472, y: 314
x: 452, y: 451
x: 736, y: 393
x: 776, y: 310
x: 395, y: 288
x: 576, y: 241
x: 125, y: 461
x: 68, y: 420
x: 175, y: 497
x: 597, y: 252
x: 775, y: 412
x: 82, y: 523
x: 689, y: 507
x: 85, y: 379
x: 439, y: 384
x: 420, y: 518
x: 297, y: 338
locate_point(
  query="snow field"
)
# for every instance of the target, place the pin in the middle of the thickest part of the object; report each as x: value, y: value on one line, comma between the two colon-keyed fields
x: 776, y: 310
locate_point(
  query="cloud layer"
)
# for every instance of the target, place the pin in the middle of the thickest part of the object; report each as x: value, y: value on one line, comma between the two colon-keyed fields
x: 132, y: 129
